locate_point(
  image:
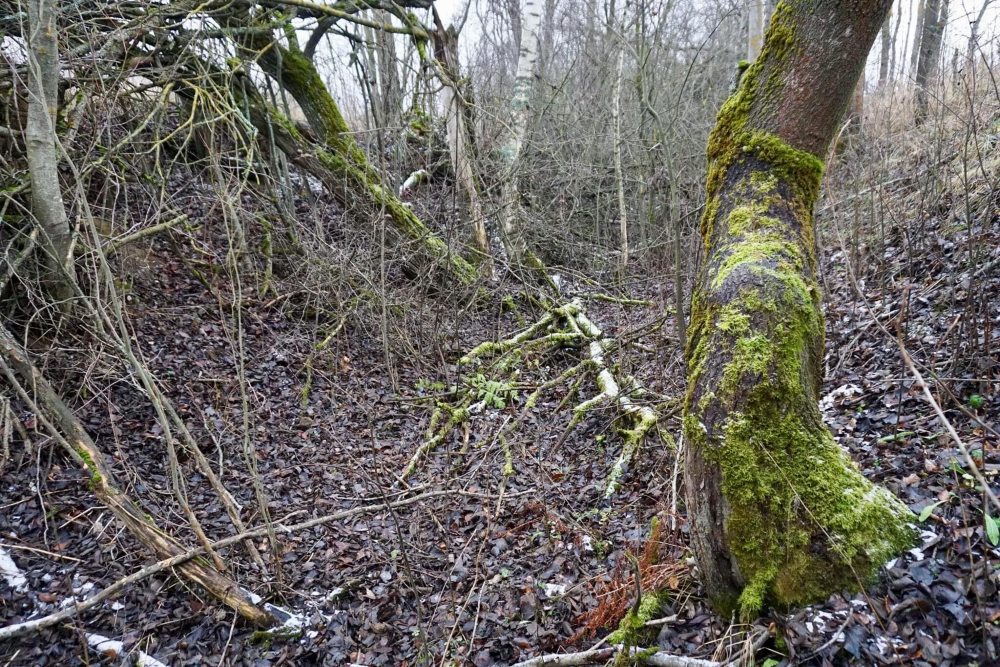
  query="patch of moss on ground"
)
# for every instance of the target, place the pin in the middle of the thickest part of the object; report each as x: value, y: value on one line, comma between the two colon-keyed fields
x: 632, y: 630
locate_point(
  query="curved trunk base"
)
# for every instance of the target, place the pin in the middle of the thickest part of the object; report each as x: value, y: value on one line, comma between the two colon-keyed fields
x: 779, y: 514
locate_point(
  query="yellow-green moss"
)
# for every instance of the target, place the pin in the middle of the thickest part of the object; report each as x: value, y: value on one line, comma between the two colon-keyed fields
x: 755, y: 250
x: 88, y: 462
x: 784, y: 477
x: 632, y: 630
x: 300, y: 77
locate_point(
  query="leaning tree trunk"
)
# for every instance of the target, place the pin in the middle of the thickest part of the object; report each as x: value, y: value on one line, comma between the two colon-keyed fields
x: 343, y: 167
x: 778, y: 512
x: 63, y: 424
x: 40, y: 144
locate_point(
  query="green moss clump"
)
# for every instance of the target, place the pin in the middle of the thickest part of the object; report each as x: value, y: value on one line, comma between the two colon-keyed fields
x: 95, y: 474
x: 632, y: 630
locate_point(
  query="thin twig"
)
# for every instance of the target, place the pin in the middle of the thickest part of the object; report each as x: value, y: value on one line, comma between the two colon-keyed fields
x: 34, y: 625
x: 969, y: 461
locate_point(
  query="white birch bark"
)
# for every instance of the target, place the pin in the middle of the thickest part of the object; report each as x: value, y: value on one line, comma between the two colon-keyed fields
x: 616, y: 112
x: 510, y: 151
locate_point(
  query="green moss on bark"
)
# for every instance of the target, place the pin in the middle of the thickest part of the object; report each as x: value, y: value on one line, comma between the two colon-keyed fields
x: 300, y: 77
x: 88, y: 461
x: 802, y: 521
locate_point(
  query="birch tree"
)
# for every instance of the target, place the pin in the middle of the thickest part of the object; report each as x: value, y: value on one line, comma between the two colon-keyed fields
x: 778, y: 513
x: 513, y: 143
x: 616, y: 115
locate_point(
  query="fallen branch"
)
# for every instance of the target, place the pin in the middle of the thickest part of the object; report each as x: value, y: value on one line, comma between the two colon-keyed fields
x: 560, y: 326
x: 643, y: 418
x: 456, y: 416
x: 34, y: 625
x: 67, y: 430
x: 107, y: 647
x: 603, y: 655
x: 116, y: 244
x: 969, y: 461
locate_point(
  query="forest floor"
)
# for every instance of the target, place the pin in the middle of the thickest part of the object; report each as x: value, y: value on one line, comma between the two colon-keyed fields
x: 507, y: 564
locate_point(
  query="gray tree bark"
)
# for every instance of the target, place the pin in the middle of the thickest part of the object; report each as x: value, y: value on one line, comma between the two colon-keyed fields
x: 886, y: 50
x: 459, y: 137
x: 918, y: 33
x: 40, y: 144
x: 935, y: 19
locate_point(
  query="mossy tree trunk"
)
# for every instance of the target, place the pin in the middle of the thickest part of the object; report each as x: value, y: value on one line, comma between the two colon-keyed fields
x: 778, y: 512
x: 340, y: 163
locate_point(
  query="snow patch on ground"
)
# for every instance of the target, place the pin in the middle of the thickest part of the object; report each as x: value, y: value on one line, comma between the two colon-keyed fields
x: 10, y: 572
x: 113, y: 648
